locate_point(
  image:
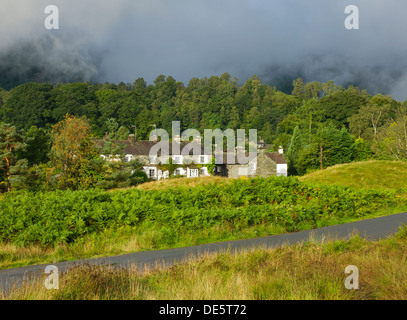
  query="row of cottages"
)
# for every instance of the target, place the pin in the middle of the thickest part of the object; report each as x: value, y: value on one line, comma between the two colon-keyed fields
x: 185, y: 163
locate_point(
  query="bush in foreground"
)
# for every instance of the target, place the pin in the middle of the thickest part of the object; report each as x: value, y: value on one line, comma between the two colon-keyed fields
x: 56, y: 217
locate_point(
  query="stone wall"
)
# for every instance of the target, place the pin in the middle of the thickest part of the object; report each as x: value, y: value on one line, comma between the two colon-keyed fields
x: 265, y: 166
x: 239, y: 170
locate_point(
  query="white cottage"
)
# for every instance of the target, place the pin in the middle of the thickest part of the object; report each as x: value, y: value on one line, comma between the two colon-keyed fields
x: 190, y: 159
x: 186, y: 158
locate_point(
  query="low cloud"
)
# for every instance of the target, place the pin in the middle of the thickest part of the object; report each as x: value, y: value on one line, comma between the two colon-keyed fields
x: 278, y: 41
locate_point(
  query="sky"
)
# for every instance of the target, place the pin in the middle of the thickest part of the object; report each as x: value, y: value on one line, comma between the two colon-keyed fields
x: 277, y: 40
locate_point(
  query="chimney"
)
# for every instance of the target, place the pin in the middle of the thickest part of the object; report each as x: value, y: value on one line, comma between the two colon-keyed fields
x: 280, y: 150
x: 132, y: 138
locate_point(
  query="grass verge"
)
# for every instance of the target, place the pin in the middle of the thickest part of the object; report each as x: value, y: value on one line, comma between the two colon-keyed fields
x: 311, y: 270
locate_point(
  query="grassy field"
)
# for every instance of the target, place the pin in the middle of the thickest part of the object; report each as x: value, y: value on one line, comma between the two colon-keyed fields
x: 213, y: 209
x: 309, y: 270
x: 374, y: 174
x: 182, y: 182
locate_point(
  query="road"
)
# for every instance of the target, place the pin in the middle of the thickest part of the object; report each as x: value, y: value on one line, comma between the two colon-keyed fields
x: 371, y: 229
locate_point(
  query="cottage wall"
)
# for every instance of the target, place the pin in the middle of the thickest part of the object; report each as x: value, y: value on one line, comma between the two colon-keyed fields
x: 265, y: 166
x: 238, y: 170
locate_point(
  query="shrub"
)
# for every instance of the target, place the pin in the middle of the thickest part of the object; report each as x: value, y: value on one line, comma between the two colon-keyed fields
x: 64, y: 216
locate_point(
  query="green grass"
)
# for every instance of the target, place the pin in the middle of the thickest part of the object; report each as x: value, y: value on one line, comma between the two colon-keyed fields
x: 310, y: 271
x: 374, y: 174
x: 190, y: 212
x: 121, y: 241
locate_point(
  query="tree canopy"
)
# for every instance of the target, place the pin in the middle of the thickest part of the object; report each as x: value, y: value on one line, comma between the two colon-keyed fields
x: 314, y: 114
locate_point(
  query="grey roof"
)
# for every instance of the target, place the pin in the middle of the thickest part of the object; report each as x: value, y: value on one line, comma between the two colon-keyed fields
x: 143, y: 147
x: 276, y: 157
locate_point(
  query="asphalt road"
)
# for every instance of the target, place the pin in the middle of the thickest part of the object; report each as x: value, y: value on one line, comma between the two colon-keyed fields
x: 371, y: 229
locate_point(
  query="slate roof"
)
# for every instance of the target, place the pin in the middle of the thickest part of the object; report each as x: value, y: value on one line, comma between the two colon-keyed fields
x: 143, y: 147
x: 225, y: 158
x: 276, y: 157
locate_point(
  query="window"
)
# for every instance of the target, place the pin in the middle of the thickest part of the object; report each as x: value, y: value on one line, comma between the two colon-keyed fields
x: 252, y: 166
x: 202, y: 159
x: 219, y: 168
x: 193, y: 173
x: 177, y: 159
x: 151, y: 173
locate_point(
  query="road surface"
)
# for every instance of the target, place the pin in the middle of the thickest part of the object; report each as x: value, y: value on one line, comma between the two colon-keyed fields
x: 371, y: 229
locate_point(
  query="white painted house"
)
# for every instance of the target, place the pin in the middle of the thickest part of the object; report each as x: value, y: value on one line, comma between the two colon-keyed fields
x: 194, y: 162
x: 186, y: 163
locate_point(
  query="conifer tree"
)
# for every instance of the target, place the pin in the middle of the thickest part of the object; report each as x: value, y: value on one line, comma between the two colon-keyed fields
x: 296, y: 144
x: 11, y: 167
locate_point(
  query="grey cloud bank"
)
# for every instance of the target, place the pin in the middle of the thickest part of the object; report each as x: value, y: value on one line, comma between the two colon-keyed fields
x: 277, y: 40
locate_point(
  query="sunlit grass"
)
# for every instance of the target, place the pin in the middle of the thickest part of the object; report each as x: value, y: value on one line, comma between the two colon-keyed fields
x: 122, y: 241
x: 147, y: 237
x: 309, y: 270
x: 182, y: 182
x: 373, y: 174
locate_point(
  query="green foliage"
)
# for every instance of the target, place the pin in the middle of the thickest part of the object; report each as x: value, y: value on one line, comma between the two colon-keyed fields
x: 12, y: 167
x: 74, y: 154
x: 208, y: 103
x: 341, y: 105
x: 296, y: 144
x: 38, y: 146
x: 66, y: 216
x: 392, y: 137
x: 337, y: 147
x: 36, y: 178
x: 121, y: 174
x: 112, y: 149
x: 28, y: 105
x: 77, y: 99
x: 362, y: 151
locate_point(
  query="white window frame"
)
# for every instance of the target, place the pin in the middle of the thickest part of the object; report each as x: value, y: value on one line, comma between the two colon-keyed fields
x: 149, y: 173
x: 193, y: 173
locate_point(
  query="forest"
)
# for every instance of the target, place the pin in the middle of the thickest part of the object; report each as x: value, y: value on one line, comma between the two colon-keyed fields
x: 318, y: 125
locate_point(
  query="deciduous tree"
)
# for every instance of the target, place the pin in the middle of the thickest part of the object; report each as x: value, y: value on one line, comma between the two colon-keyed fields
x: 74, y: 154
